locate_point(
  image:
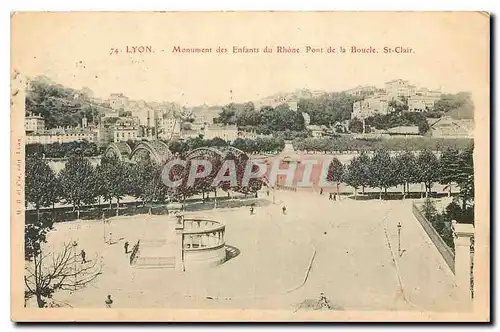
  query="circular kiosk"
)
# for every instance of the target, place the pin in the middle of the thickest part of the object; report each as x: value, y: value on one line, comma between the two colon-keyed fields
x: 190, y: 243
x: 203, y: 243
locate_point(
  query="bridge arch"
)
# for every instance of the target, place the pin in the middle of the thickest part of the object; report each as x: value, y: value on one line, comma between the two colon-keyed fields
x: 219, y: 151
x: 157, y: 151
x: 120, y: 150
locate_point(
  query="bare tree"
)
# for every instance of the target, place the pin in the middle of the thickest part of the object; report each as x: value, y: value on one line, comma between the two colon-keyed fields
x: 47, y: 272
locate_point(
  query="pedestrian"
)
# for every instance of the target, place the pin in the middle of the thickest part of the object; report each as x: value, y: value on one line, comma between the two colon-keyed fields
x: 321, y: 191
x: 330, y: 197
x: 110, y: 238
x: 284, y: 209
x: 126, y: 247
x: 108, y: 301
x: 267, y: 192
x: 323, y: 301
x: 334, y: 197
x: 251, y: 210
x: 83, y: 254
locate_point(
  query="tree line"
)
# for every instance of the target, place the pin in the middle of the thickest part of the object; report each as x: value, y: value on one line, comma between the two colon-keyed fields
x: 79, y: 183
x: 265, y: 120
x: 251, y: 146
x: 62, y: 150
x: 348, y: 144
x: 383, y: 171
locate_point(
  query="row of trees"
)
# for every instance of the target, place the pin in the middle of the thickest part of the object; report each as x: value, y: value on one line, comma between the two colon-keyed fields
x: 382, y: 171
x: 391, y: 120
x: 257, y: 145
x: 62, y: 150
x: 58, y: 105
x: 347, y: 144
x: 79, y: 183
x: 264, y: 120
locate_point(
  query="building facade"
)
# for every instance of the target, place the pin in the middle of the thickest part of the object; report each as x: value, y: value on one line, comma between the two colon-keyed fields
x: 61, y: 135
x: 227, y: 133
x: 34, y: 124
x: 377, y: 104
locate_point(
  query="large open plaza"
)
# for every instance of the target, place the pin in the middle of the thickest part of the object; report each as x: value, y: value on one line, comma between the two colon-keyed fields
x: 346, y: 249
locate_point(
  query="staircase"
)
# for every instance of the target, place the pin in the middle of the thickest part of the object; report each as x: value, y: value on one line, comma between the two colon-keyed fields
x: 156, y: 262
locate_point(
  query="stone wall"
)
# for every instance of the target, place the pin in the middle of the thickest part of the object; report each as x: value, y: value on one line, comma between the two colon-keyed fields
x: 441, y: 246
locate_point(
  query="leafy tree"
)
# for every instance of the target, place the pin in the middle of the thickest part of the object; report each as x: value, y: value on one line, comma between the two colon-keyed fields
x: 449, y: 168
x: 458, y: 106
x: 328, y: 108
x: 405, y: 166
x: 356, y: 126
x: 35, y: 235
x: 58, y: 105
x: 41, y: 186
x: 227, y: 115
x: 115, y: 177
x: 365, y: 175
x: 355, y: 174
x: 78, y: 181
x: 429, y: 210
x: 178, y: 147
x: 465, y: 178
x: 382, y: 171
x: 335, y: 172
x: 428, y: 169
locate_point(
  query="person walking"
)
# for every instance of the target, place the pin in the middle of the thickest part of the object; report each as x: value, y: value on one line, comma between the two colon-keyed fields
x: 321, y: 191
x: 108, y: 301
x: 126, y: 247
x: 323, y: 301
x: 251, y: 210
x: 330, y: 197
x: 284, y: 209
x: 83, y: 254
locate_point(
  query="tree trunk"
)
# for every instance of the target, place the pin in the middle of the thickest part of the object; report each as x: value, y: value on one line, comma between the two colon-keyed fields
x: 355, y: 193
x: 338, y: 192
x: 215, y: 198
x: 37, y: 213
x: 380, y: 194
x: 363, y: 188
x: 385, y: 192
x: 421, y: 191
x: 110, y: 203
x: 117, y: 206
x: 78, y: 212
x: 449, y: 190
x: 39, y: 301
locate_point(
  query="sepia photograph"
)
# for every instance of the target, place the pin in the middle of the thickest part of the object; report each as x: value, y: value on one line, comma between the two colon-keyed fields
x: 250, y: 166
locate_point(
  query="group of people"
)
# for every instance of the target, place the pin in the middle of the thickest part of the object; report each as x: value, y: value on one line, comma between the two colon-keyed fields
x: 331, y: 196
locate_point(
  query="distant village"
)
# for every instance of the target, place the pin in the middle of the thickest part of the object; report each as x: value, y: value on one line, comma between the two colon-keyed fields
x: 125, y: 119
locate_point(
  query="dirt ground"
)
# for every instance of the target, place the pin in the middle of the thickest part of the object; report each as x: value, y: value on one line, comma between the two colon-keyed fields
x: 344, y: 249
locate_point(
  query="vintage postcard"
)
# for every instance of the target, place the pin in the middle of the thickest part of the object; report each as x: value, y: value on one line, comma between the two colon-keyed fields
x: 250, y: 166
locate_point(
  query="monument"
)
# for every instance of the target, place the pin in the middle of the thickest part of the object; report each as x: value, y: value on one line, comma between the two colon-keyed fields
x: 188, y: 243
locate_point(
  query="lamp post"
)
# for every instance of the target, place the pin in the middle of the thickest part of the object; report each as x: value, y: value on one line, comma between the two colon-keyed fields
x: 399, y: 238
x: 104, y: 227
x: 74, y: 258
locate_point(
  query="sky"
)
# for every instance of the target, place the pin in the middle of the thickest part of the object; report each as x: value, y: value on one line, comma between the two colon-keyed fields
x: 73, y: 49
